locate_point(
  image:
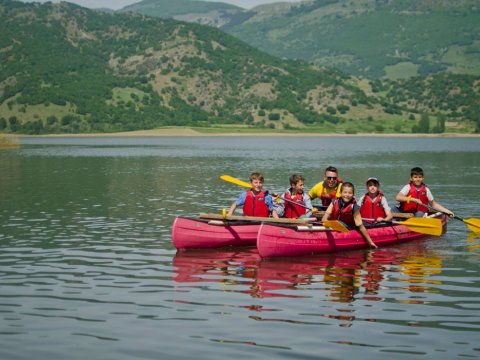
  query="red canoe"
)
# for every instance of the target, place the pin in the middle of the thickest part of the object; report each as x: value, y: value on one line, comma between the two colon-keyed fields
x: 281, y: 240
x: 193, y: 233
x: 214, y: 230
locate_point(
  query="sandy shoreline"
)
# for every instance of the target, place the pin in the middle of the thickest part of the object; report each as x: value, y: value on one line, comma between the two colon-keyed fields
x: 185, y: 132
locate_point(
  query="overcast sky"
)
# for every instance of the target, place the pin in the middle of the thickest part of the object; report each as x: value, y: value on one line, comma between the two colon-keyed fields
x: 118, y: 4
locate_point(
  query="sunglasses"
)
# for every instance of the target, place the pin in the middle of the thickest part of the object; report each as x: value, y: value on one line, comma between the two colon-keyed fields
x: 331, y: 178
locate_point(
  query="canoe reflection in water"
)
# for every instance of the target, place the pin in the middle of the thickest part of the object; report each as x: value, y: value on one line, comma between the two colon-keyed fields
x: 339, y: 277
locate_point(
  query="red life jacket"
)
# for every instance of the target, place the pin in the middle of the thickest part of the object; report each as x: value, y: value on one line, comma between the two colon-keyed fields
x: 327, y: 198
x: 372, y: 209
x: 293, y: 211
x: 413, y: 207
x: 344, y: 214
x: 255, y: 204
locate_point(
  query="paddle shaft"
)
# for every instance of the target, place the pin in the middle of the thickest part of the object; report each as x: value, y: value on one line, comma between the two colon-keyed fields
x: 235, y: 181
x: 473, y: 223
x: 255, y: 219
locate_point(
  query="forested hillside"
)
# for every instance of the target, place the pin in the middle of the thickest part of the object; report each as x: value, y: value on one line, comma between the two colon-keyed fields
x: 64, y: 68
x: 371, y: 38
x: 215, y: 14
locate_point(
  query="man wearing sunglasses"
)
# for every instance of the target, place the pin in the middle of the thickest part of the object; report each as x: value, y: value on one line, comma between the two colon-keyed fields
x: 328, y: 189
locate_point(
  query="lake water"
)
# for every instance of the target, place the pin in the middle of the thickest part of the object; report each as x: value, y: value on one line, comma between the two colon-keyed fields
x: 88, y: 270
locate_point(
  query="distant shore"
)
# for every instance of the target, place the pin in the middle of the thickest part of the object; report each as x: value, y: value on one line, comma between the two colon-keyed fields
x: 185, y: 132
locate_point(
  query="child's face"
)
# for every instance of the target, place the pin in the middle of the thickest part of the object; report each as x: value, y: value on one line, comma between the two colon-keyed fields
x: 347, y: 194
x: 298, y: 187
x: 372, y: 187
x: 417, y: 180
x: 257, y: 185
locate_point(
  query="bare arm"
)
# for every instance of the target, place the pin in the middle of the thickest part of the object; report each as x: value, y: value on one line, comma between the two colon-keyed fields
x: 358, y: 222
x: 437, y: 206
x: 232, y: 208
x: 404, y: 198
x: 328, y: 212
x: 388, y: 211
x: 388, y: 217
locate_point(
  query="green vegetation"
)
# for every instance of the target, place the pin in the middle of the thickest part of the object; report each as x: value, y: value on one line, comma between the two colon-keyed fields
x: 204, y: 12
x: 66, y: 69
x: 169, y: 8
x: 369, y: 37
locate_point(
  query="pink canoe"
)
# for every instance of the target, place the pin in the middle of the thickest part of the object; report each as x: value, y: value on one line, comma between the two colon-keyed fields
x: 215, y: 230
x: 280, y: 240
x: 193, y: 233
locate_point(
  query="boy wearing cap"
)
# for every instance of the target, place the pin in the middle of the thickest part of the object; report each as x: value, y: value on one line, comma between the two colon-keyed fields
x: 374, y: 206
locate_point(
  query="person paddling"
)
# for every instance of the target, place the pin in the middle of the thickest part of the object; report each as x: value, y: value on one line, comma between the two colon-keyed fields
x: 346, y: 210
x: 415, y: 197
x: 255, y: 201
x: 294, y: 203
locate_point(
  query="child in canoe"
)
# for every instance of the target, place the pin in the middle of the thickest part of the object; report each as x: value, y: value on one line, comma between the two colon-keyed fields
x: 373, y: 205
x: 255, y: 201
x: 346, y: 210
x: 294, y: 203
x: 416, y: 197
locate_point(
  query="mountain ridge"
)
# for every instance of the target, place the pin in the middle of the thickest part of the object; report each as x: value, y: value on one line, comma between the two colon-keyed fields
x: 64, y: 68
x: 371, y: 38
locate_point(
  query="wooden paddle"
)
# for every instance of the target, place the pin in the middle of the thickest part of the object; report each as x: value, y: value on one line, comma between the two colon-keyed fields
x: 473, y: 223
x: 428, y: 226
x: 255, y: 219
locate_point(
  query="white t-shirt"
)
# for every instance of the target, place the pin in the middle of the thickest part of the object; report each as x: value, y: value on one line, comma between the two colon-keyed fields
x: 406, y: 189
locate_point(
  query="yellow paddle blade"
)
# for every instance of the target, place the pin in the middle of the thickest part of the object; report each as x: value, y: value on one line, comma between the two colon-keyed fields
x: 233, y: 180
x: 429, y: 226
x: 224, y: 213
x: 473, y: 224
x: 335, y: 225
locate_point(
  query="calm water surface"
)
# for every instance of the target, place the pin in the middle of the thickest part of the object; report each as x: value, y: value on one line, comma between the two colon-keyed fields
x: 87, y: 268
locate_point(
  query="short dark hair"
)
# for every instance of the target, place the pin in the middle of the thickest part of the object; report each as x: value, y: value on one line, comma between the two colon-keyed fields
x: 295, y: 178
x: 416, y: 171
x: 348, y: 184
x: 332, y: 169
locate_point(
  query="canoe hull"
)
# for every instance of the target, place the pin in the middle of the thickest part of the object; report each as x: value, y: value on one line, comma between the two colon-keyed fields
x: 192, y: 233
x: 282, y: 241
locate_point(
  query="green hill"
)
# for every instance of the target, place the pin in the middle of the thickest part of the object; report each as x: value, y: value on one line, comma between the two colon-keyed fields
x: 215, y: 14
x: 64, y: 68
x: 69, y: 69
x: 370, y: 38
x: 373, y: 38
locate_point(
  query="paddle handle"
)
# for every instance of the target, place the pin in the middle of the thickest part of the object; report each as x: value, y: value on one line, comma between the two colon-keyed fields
x: 443, y: 212
x: 295, y: 203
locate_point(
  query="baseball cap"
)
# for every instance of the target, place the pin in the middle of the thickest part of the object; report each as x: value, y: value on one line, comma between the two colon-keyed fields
x: 372, y: 179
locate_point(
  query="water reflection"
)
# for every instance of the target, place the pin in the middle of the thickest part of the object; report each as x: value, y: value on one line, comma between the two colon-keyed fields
x: 473, y: 242
x: 342, y: 278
